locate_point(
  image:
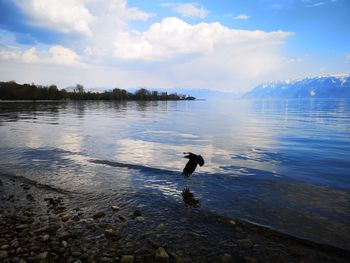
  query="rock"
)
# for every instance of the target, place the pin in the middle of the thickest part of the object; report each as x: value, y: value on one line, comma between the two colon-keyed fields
x: 3, y: 254
x: 52, y: 228
x: 105, y: 260
x: 245, y: 243
x: 30, y: 197
x: 42, y: 255
x: 112, y: 233
x: 64, y: 235
x: 115, y: 208
x: 160, y: 227
x: 232, y: 222
x: 21, y: 227
x: 137, y: 213
x: 226, y: 258
x: 99, y: 215
x: 64, y: 243
x: 122, y: 218
x: 4, y: 247
x: 250, y: 260
x: 65, y: 217
x: 14, y: 243
x: 127, y: 259
x: 140, y: 219
x: 45, y: 238
x: 161, y: 255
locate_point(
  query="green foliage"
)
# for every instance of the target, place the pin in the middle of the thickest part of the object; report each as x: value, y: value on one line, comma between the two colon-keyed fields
x: 14, y: 91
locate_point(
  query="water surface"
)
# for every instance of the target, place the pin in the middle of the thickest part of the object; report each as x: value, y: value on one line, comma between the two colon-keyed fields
x: 280, y: 163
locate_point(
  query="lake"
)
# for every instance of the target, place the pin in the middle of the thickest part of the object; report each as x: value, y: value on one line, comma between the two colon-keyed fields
x: 280, y: 163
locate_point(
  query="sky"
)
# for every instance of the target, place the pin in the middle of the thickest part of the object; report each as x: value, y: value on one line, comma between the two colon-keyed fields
x: 228, y: 45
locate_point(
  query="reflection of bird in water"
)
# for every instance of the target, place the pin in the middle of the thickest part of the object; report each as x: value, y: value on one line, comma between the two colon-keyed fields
x: 188, y: 198
x: 192, y: 163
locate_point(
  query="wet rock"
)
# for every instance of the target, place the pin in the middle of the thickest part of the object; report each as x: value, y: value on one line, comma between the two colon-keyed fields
x: 232, y: 222
x: 115, y: 208
x: 161, y: 255
x: 127, y: 259
x: 226, y: 258
x: 122, y: 218
x: 4, y: 247
x: 245, y: 243
x: 112, y: 233
x: 140, y: 219
x: 105, y: 260
x: 65, y: 217
x: 160, y: 227
x: 99, y: 215
x: 42, y: 255
x: 1, y: 183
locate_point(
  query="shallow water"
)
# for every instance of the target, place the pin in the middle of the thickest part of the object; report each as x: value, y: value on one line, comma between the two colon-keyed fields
x: 280, y: 163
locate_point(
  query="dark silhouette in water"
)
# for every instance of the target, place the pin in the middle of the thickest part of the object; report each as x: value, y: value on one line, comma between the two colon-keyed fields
x: 188, y: 198
x: 192, y: 163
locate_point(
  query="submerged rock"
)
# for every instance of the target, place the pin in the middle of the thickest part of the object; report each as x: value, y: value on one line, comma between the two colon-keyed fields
x: 127, y: 259
x: 99, y: 215
x: 226, y: 258
x: 245, y: 243
x: 65, y: 217
x: 161, y: 255
x: 112, y: 233
x: 137, y: 213
x: 140, y: 219
x: 115, y: 208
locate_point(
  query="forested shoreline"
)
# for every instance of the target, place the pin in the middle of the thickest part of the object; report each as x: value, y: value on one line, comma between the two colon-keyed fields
x: 14, y: 91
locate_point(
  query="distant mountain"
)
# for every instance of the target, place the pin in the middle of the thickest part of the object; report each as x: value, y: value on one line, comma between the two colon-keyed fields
x: 317, y: 87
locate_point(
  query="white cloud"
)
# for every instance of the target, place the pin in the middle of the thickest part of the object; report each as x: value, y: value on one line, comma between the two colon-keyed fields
x: 173, y: 37
x: 347, y: 57
x: 27, y: 56
x: 316, y: 4
x: 192, y: 10
x: 78, y: 16
x: 64, y: 56
x: 67, y: 16
x: 242, y: 17
x: 57, y: 55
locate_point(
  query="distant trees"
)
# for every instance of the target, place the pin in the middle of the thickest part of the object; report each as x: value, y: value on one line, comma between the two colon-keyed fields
x: 14, y: 91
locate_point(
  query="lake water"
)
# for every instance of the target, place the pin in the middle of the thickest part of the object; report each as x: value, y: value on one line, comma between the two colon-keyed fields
x: 280, y: 163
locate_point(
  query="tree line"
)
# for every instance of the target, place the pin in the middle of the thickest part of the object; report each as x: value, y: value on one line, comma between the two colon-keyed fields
x: 14, y: 91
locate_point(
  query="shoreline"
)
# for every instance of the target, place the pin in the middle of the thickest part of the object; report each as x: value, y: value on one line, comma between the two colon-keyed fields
x: 42, y: 224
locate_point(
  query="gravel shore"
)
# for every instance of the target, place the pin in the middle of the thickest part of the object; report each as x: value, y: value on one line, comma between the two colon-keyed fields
x: 39, y: 223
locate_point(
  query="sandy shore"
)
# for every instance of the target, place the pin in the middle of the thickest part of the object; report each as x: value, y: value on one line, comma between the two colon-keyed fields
x: 41, y: 224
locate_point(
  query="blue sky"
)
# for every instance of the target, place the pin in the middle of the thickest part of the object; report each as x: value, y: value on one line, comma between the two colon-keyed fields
x: 220, y: 45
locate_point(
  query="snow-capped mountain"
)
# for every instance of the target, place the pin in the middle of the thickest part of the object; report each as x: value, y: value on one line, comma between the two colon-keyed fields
x: 316, y: 87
